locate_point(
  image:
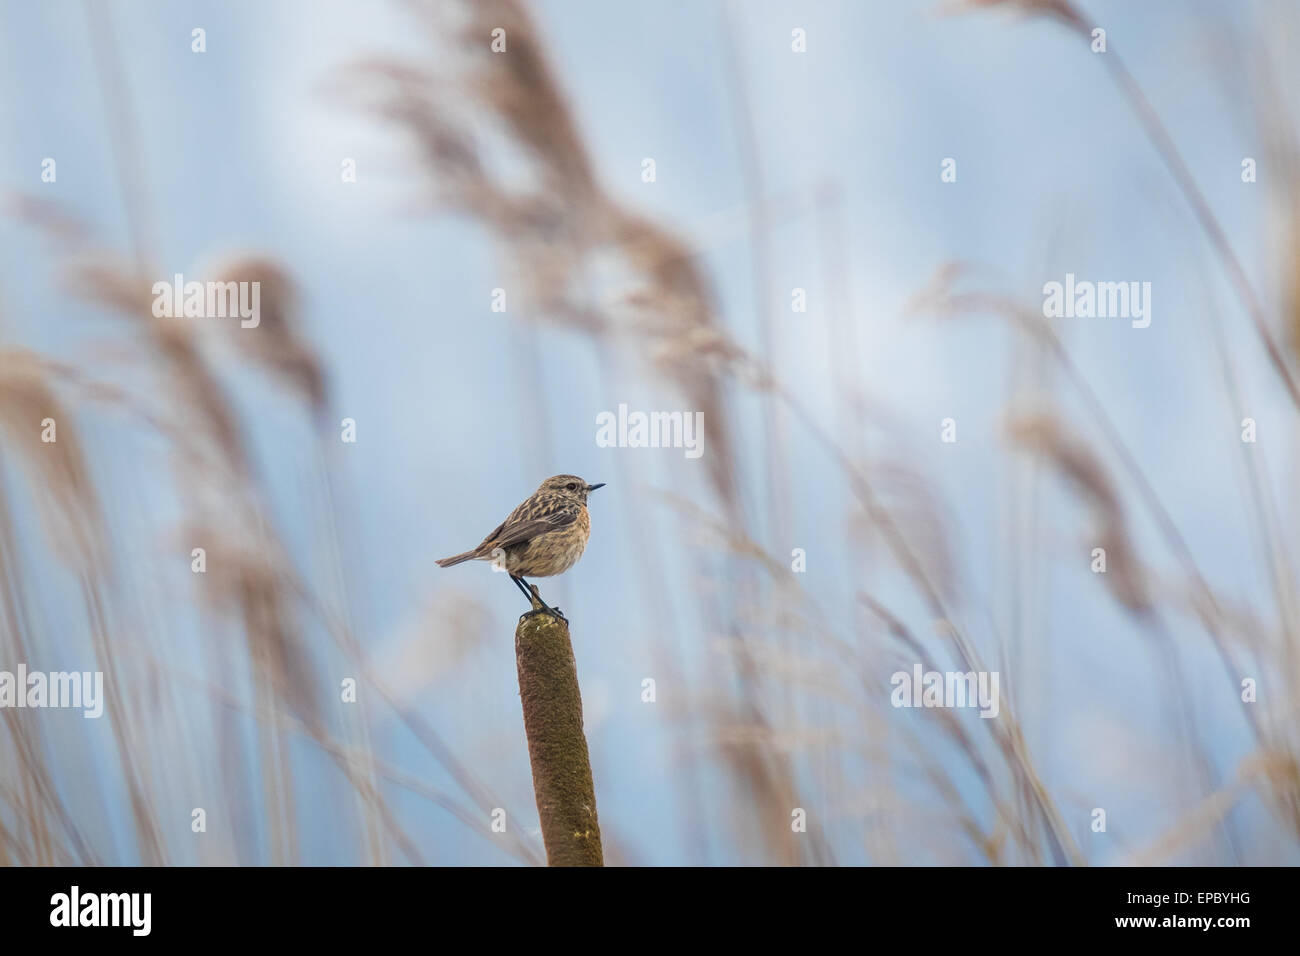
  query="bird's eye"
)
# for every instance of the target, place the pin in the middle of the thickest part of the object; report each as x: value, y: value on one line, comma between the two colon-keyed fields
x: 572, y: 486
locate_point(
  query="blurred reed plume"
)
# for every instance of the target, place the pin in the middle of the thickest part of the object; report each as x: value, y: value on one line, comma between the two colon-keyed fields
x: 68, y: 502
x: 198, y: 532
x: 1124, y: 575
x: 563, y: 233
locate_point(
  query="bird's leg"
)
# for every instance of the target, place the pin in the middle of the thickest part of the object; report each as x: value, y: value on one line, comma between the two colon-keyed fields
x: 535, y: 599
x: 522, y: 585
x: 530, y: 592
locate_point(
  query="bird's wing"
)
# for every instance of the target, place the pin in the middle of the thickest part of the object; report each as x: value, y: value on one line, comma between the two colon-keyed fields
x: 524, y: 530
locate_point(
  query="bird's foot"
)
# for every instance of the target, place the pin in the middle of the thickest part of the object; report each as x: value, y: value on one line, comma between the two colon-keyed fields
x: 554, y: 612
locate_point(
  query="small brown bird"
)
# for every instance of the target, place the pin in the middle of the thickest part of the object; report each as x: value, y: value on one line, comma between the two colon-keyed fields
x: 543, y: 537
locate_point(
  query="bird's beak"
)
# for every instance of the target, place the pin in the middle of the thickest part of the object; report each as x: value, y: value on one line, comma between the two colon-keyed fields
x: 595, y: 486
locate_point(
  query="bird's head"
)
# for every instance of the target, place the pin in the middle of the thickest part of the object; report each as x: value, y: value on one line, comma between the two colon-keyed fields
x: 570, y: 486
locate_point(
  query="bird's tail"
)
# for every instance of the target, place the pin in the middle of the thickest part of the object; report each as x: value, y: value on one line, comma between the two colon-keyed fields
x: 457, y: 559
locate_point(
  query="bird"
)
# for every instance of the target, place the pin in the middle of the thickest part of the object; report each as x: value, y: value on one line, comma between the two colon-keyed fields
x: 543, y: 537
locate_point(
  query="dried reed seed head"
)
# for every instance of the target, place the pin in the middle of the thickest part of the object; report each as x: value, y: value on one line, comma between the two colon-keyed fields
x: 189, y: 377
x: 276, y: 342
x: 278, y: 295
x: 552, y: 231
x: 1045, y: 435
x: 1280, y: 768
x: 112, y: 281
x: 1125, y: 575
x: 66, y: 230
x: 42, y: 435
x: 523, y: 90
x: 233, y: 562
